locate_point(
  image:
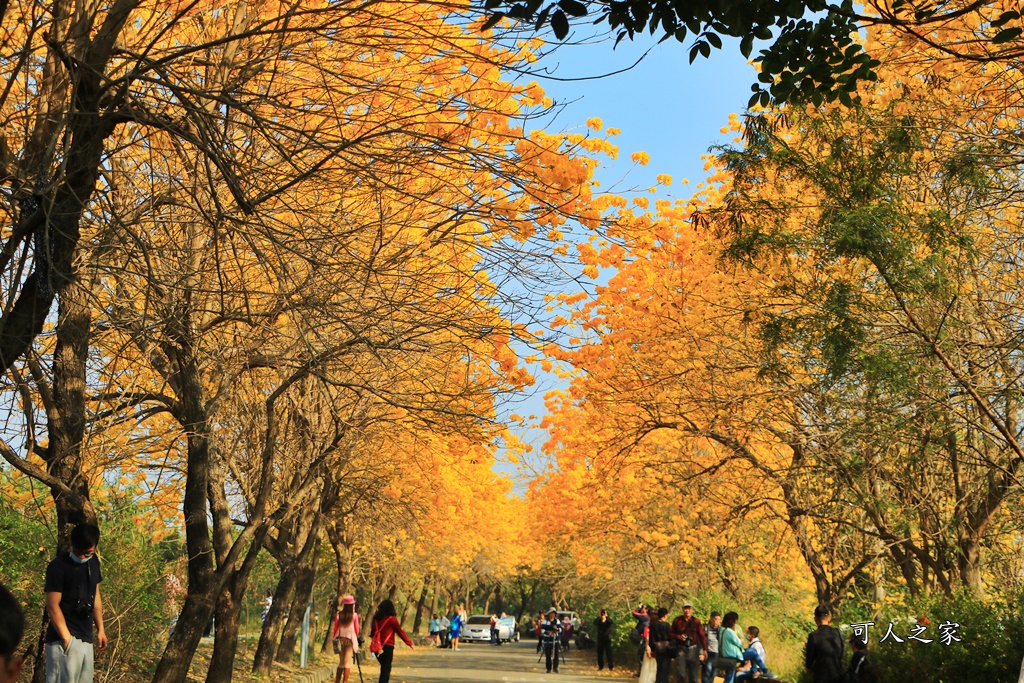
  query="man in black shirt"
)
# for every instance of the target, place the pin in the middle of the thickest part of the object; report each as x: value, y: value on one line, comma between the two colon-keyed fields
x: 823, y: 655
x: 73, y: 604
x: 603, y: 626
x: 12, y: 625
x: 550, y: 629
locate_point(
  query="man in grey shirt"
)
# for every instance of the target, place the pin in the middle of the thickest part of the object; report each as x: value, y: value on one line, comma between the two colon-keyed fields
x: 714, y: 621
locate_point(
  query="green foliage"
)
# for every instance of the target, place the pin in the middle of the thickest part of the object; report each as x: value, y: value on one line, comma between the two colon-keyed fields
x: 137, y: 612
x: 990, y: 650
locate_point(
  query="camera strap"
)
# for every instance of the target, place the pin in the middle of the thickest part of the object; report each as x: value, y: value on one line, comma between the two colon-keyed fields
x: 83, y: 591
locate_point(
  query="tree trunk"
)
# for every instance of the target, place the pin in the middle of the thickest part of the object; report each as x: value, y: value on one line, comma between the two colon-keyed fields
x: 418, y: 621
x: 202, y: 580
x: 270, y: 635
x: 65, y: 415
x: 342, y: 557
x: 303, y: 591
x: 227, y: 623
x: 434, y: 597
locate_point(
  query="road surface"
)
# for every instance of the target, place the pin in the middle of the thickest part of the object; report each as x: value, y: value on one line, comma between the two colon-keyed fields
x: 473, y: 662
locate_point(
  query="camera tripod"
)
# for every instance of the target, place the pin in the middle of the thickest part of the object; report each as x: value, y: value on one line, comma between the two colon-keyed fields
x: 558, y: 656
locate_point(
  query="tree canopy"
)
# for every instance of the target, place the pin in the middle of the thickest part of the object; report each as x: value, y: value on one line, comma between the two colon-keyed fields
x: 813, y: 48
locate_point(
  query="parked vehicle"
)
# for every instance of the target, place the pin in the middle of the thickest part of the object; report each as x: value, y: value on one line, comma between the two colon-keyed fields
x: 573, y: 618
x: 478, y: 629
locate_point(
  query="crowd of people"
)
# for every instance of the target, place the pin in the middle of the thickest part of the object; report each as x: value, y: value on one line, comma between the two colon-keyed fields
x: 696, y: 652
x: 700, y: 654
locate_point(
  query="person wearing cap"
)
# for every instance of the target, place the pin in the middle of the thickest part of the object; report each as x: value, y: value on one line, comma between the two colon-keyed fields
x: 345, y: 634
x: 823, y: 655
x: 691, y: 644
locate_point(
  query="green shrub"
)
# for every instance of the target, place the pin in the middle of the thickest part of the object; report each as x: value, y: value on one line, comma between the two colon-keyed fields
x: 135, y: 601
x: 990, y: 649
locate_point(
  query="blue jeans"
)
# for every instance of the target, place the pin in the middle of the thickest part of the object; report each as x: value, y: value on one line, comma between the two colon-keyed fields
x: 708, y: 675
x: 757, y: 664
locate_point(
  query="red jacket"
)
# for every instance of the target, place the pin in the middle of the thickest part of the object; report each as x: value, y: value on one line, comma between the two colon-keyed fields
x: 387, y: 629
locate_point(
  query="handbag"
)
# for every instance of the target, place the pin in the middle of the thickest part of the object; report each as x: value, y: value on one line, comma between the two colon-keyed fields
x: 661, y: 647
x: 726, y: 663
x: 375, y: 643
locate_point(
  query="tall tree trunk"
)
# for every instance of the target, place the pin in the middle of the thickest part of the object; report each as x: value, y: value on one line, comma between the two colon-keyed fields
x: 418, y: 621
x: 66, y: 429
x: 202, y: 580
x: 266, y: 649
x: 227, y: 623
x: 434, y: 597
x: 306, y: 573
x: 343, y: 559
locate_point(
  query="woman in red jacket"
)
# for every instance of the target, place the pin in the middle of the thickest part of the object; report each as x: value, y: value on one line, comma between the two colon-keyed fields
x: 384, y: 626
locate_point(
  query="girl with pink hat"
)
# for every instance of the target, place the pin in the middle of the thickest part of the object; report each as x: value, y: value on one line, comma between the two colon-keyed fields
x: 345, y: 636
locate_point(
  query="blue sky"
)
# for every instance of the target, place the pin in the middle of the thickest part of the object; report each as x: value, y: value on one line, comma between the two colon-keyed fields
x: 664, y: 106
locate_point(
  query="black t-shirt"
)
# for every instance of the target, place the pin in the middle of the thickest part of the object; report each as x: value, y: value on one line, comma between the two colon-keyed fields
x: 824, y: 654
x: 604, y: 629
x: 660, y: 633
x: 76, y: 584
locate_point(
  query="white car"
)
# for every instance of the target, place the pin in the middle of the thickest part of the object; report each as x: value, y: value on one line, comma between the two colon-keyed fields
x: 478, y: 629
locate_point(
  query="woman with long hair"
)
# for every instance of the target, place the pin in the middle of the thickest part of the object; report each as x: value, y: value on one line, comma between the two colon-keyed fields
x: 458, y: 619
x: 730, y: 648
x: 384, y: 627
x: 345, y: 635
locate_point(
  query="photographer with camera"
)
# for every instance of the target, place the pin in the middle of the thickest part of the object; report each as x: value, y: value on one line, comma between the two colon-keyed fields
x: 73, y: 603
x: 691, y: 644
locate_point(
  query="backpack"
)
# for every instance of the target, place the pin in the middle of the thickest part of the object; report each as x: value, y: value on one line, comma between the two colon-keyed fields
x: 375, y: 642
x: 864, y: 672
x: 636, y: 636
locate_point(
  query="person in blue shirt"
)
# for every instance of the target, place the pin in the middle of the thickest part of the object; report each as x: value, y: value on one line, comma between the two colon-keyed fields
x: 730, y: 648
x: 434, y: 627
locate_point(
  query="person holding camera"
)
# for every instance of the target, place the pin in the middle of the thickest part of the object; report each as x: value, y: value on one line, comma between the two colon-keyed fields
x: 691, y: 644
x: 73, y: 604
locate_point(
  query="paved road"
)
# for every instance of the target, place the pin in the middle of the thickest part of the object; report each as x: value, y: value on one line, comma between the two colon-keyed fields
x: 510, y: 663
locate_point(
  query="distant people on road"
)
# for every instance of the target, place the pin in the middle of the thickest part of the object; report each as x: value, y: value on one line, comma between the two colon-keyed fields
x: 638, y: 636
x: 691, y: 645
x: 456, y: 625
x: 434, y: 629
x: 754, y: 657
x: 345, y: 636
x: 710, y: 664
x: 566, y: 632
x: 550, y: 630
x: 384, y: 627
x: 445, y: 631
x: 12, y: 627
x: 537, y: 621
x: 494, y: 629
x: 730, y: 647
x: 603, y: 626
x: 861, y: 670
x: 268, y: 602
x: 823, y: 655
